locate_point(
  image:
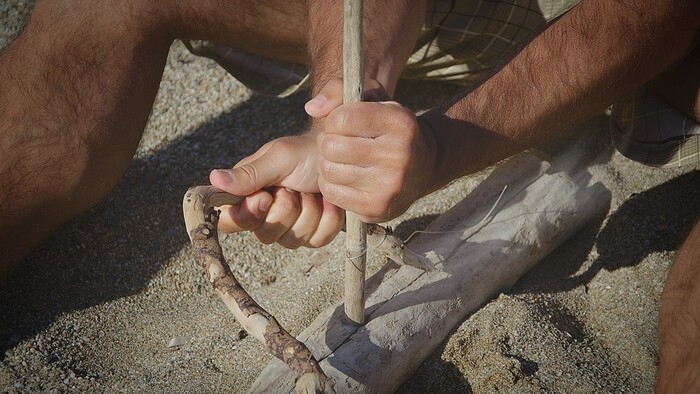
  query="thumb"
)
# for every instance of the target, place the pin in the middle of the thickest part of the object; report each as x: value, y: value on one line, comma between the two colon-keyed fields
x: 246, y: 178
x: 328, y: 99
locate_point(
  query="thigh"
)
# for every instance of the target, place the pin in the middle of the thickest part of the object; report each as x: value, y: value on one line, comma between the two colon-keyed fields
x: 273, y: 29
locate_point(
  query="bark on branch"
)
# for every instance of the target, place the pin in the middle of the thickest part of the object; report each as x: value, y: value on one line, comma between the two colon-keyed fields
x: 201, y: 219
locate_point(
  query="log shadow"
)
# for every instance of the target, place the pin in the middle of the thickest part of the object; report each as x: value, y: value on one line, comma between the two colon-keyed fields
x: 115, y: 249
x: 436, y: 375
x: 655, y: 220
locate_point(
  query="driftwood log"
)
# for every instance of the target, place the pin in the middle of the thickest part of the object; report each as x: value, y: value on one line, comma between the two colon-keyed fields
x: 480, y: 251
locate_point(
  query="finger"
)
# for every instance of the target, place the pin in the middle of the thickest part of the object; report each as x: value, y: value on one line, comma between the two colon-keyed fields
x: 283, y: 213
x: 350, y: 199
x: 329, y: 98
x: 348, y: 150
x: 369, y: 120
x: 330, y: 224
x: 346, y: 174
x: 249, y: 176
x: 247, y: 216
x: 305, y: 225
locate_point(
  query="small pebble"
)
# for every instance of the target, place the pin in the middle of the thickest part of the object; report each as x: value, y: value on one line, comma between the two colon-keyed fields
x: 176, y: 342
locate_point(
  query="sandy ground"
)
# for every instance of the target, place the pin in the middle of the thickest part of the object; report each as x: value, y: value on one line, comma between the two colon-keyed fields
x: 95, y: 307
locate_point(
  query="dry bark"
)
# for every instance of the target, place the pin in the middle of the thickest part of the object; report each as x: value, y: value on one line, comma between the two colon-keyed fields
x: 201, y: 219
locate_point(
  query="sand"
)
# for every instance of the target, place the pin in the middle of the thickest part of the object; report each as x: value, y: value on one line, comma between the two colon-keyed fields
x: 113, y: 302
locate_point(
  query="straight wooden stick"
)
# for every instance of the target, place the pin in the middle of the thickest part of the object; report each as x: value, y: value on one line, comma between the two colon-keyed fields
x: 356, y: 236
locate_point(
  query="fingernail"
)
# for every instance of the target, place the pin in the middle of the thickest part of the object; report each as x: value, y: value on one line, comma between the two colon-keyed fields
x: 316, y: 102
x: 225, y: 175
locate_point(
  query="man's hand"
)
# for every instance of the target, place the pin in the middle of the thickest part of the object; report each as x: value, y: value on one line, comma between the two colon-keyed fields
x: 375, y: 159
x: 282, y: 203
x: 280, y: 181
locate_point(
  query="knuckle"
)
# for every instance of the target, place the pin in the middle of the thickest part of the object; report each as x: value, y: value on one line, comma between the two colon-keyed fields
x: 248, y: 171
x: 291, y: 243
x: 246, y: 220
x: 332, y: 148
x: 326, y: 169
x: 338, y: 120
x: 329, y: 191
x: 264, y: 236
x: 405, y: 120
x: 325, y: 146
x: 287, y: 202
x: 281, y: 146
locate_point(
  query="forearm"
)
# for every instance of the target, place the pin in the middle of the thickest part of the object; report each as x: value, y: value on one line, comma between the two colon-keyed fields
x: 390, y: 32
x: 582, y: 63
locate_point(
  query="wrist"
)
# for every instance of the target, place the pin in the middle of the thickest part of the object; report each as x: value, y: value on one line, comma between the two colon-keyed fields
x: 461, y: 147
x: 429, y: 123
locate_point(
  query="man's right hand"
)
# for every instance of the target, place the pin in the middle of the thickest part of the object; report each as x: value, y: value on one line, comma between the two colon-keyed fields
x: 280, y: 182
x: 283, y: 203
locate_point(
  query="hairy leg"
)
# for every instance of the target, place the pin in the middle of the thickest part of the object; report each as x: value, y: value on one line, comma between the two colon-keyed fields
x: 679, y: 321
x: 76, y: 90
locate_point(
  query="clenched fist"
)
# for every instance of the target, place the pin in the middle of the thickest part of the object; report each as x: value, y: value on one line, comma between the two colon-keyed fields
x: 374, y: 159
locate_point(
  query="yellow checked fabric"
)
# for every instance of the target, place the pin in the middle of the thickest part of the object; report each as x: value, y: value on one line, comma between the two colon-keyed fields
x: 461, y: 41
x: 646, y: 129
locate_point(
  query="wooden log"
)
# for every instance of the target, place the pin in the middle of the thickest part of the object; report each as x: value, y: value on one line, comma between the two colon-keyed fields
x: 356, y: 231
x: 479, y: 252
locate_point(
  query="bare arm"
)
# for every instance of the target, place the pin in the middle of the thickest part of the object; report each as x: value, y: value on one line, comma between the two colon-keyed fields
x: 390, y: 32
x: 589, y: 58
x: 582, y: 63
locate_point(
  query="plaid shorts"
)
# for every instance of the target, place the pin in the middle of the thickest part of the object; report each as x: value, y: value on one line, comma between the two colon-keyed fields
x: 462, y: 41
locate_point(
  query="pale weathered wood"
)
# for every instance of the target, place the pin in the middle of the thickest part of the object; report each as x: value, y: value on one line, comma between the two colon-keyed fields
x: 356, y: 231
x: 410, y: 312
